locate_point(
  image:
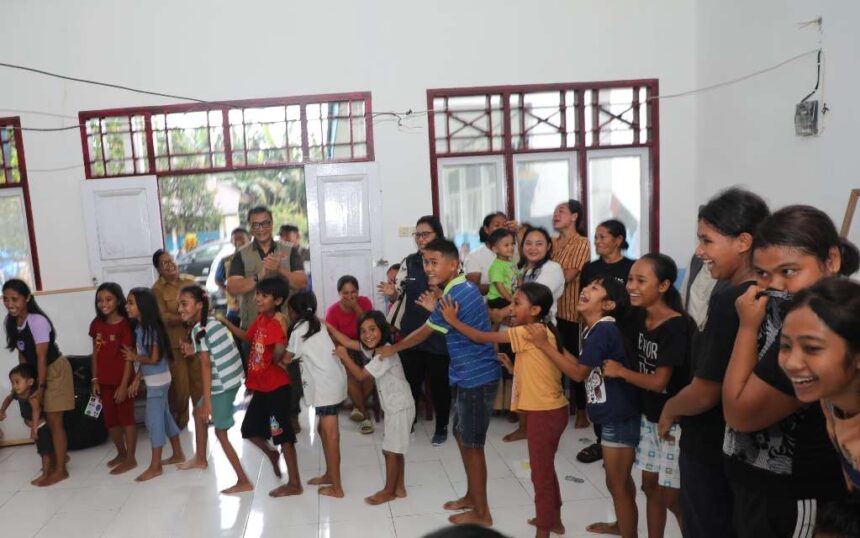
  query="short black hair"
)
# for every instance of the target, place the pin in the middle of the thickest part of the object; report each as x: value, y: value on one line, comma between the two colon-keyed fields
x: 434, y: 223
x: 239, y: 230
x: 444, y: 247
x: 347, y: 279
x: 498, y: 235
x: 275, y: 286
x: 465, y: 531
x: 157, y: 254
x: 256, y: 210
x: 288, y: 228
x: 840, y: 519
x: 395, y: 267
x: 734, y: 211
x: 24, y: 370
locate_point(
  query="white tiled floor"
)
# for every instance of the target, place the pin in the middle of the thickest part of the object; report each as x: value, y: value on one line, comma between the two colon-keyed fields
x: 93, y: 503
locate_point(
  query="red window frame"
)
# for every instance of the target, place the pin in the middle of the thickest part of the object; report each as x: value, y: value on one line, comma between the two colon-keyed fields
x: 143, y: 139
x: 17, y: 140
x: 508, y: 132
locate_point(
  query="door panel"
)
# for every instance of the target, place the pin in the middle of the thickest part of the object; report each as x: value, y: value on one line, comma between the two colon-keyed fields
x: 345, y: 229
x: 123, y: 222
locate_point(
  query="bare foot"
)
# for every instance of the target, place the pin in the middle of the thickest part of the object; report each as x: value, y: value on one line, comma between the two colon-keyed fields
x: 275, y: 458
x: 175, y: 458
x: 148, y: 474
x: 117, y: 460
x: 240, y: 487
x: 460, y: 504
x: 471, y: 517
x: 380, y: 497
x: 516, y: 435
x: 39, y: 479
x: 400, y: 493
x: 581, y: 421
x: 286, y: 490
x: 320, y: 480
x: 331, y: 491
x: 558, y: 528
x: 52, y: 479
x: 193, y: 463
x: 604, y: 528
x: 124, y: 467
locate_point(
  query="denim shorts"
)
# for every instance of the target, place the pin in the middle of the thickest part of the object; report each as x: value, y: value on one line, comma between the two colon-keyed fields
x: 623, y: 434
x: 471, y: 410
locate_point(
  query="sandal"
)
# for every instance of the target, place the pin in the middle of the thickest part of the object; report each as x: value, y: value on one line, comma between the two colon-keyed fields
x: 356, y: 416
x: 365, y: 427
x: 590, y: 454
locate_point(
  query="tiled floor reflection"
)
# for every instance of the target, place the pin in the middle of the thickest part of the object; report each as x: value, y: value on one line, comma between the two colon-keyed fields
x: 186, y: 503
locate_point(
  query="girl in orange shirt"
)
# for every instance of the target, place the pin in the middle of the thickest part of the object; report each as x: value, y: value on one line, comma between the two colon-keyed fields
x: 537, y: 391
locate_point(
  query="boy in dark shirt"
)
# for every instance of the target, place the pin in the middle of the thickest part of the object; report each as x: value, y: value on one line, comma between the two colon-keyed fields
x: 22, y: 379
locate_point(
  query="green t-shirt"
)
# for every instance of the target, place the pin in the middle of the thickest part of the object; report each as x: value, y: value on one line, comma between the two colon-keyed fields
x: 501, y: 271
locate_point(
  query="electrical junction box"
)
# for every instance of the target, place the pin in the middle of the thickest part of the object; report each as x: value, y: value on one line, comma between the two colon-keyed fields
x: 806, y: 118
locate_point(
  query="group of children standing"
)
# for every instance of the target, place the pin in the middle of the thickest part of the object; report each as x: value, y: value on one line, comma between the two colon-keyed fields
x: 719, y: 409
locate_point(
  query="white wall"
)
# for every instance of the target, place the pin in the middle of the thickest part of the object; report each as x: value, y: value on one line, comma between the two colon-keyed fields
x: 218, y: 49
x: 746, y: 132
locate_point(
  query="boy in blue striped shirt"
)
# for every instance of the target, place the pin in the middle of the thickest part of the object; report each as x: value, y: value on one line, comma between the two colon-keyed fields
x: 473, y: 374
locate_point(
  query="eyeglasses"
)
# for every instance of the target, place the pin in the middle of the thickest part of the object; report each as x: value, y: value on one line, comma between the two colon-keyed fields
x: 261, y: 225
x: 422, y: 235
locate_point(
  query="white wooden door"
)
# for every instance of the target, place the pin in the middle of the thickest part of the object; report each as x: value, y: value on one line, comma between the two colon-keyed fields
x: 345, y: 229
x: 123, y: 222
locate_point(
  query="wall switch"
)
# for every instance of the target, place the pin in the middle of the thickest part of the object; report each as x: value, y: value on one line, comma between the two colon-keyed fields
x: 404, y: 231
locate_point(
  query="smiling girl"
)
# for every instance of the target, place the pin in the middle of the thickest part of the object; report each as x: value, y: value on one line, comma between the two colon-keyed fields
x: 780, y: 463
x: 819, y: 351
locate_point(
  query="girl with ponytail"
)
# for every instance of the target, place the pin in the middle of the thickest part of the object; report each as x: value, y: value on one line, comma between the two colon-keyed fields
x: 661, y: 333
x: 324, y: 379
x: 221, y: 373
x: 777, y: 446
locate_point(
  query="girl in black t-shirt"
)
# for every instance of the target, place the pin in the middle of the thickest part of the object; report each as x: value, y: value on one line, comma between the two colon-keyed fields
x: 779, y: 459
x: 725, y: 231
x: 661, y: 334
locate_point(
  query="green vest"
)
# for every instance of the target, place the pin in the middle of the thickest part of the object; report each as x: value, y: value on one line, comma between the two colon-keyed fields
x: 253, y: 265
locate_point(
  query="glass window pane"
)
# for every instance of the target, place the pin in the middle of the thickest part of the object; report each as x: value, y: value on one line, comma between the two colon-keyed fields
x: 615, y: 187
x: 15, y: 259
x: 467, y: 193
x: 540, y: 186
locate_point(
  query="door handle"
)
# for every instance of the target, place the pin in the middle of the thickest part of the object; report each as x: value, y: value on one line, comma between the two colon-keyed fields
x: 381, y: 262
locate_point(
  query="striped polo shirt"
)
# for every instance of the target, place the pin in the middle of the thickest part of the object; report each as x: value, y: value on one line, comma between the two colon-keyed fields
x: 225, y: 359
x: 574, y: 255
x: 472, y: 364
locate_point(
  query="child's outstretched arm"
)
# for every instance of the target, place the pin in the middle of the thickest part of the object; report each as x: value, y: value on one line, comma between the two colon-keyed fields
x: 236, y: 331
x: 412, y: 339
x: 342, y: 339
x: 36, y: 405
x: 450, y: 309
x: 357, y: 372
x: 656, y: 382
x: 7, y: 401
x: 131, y: 356
x: 567, y: 363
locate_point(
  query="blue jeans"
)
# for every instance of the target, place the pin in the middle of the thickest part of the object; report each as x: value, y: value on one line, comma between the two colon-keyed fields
x: 159, y: 421
x: 471, y: 411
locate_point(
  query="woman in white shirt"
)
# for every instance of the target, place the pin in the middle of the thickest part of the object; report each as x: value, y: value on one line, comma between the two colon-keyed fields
x: 537, y: 265
x: 479, y: 260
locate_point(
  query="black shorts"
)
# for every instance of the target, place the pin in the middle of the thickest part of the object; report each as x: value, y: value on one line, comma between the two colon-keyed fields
x: 44, y: 441
x: 497, y: 303
x: 268, y: 416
